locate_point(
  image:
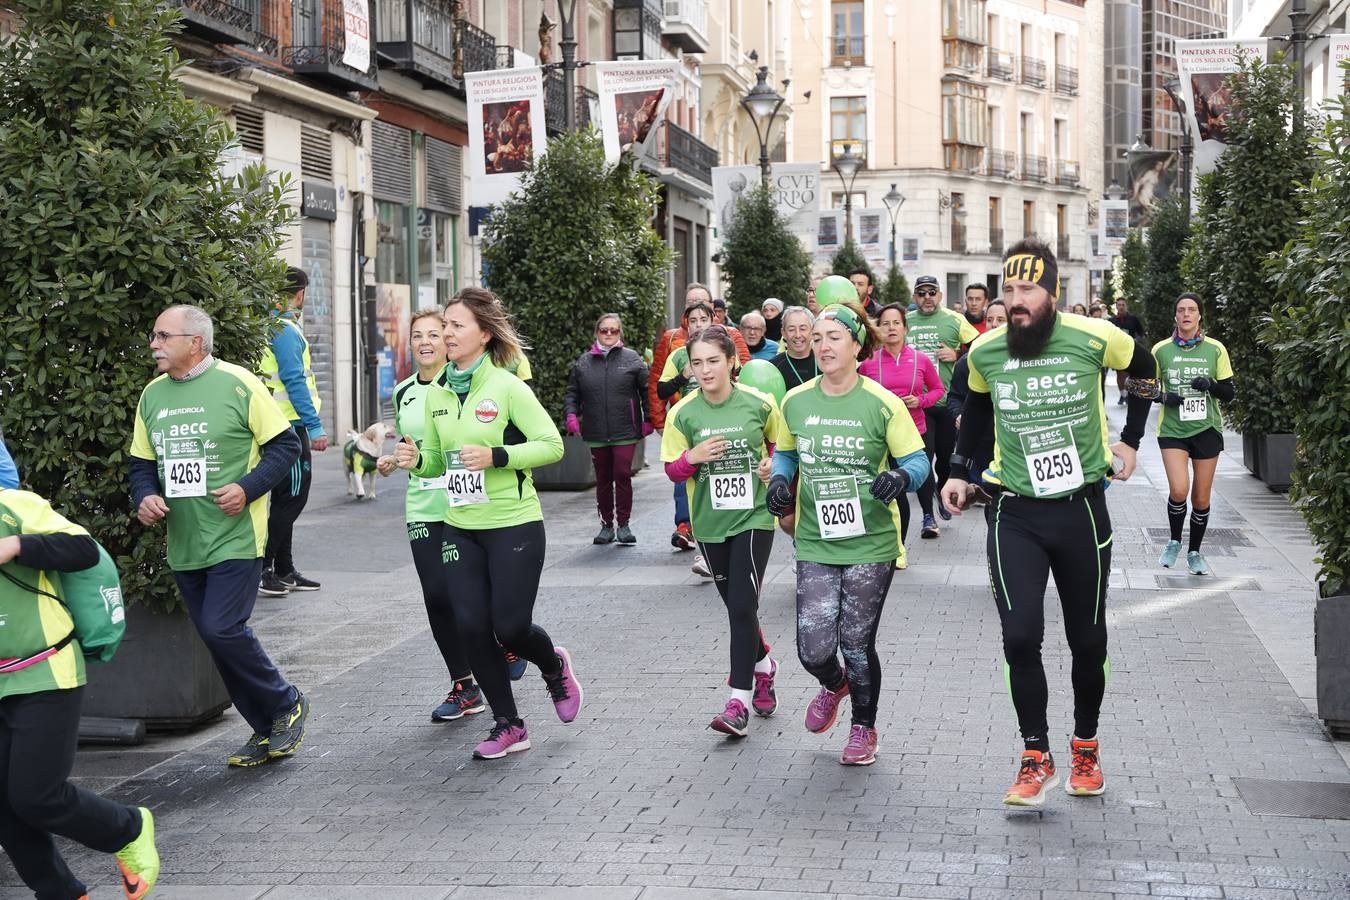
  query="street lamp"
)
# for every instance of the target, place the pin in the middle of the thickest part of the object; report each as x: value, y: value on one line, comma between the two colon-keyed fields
x: 762, y: 103
x: 893, y: 200
x: 567, y: 14
x: 847, y: 165
x: 1187, y: 142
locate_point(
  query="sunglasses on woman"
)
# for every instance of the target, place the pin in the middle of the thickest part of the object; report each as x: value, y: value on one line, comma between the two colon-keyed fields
x: 608, y: 331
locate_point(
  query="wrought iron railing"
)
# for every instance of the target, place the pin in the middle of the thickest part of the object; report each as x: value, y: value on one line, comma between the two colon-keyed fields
x: 478, y: 46
x: 1062, y: 247
x: 1033, y: 72
x: 233, y: 18
x: 1066, y: 173
x: 506, y: 56
x: 1000, y: 64
x: 996, y: 240
x: 1034, y: 168
x: 322, y: 50
x: 555, y: 103
x: 1002, y: 163
x: 683, y: 152
x: 1066, y: 80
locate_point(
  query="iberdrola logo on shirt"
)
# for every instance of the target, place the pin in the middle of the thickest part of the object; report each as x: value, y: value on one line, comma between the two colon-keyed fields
x: 486, y: 411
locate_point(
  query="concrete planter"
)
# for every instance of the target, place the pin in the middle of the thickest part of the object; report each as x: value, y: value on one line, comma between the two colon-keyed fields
x: 1331, y: 637
x: 1275, y: 457
x: 162, y: 675
x: 574, y: 471
x: 1251, y: 454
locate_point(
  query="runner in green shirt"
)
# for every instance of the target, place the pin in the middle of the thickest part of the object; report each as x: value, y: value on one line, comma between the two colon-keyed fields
x: 1035, y: 382
x: 424, y: 511
x: 1194, y: 374
x: 485, y: 431
x: 843, y: 431
x: 716, y: 446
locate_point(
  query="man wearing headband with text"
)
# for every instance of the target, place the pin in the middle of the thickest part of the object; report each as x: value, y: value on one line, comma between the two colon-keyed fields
x: 1035, y: 383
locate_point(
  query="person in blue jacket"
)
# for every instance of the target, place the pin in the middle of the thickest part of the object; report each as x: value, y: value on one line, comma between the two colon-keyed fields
x: 9, y: 473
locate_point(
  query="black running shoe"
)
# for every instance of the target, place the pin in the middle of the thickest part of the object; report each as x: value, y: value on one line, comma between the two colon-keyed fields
x: 297, y: 582
x: 272, y: 586
x: 288, y: 729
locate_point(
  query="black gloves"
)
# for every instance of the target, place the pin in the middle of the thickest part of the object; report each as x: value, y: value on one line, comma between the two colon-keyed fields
x: 778, y: 496
x: 1169, y: 399
x: 890, y: 484
x: 1201, y: 383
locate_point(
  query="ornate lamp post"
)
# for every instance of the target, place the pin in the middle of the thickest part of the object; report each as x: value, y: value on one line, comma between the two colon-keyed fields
x: 763, y: 104
x: 567, y: 15
x: 893, y: 200
x: 1187, y: 142
x: 847, y: 165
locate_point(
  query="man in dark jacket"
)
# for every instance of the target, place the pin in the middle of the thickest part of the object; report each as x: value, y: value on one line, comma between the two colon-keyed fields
x: 1129, y: 323
x: 606, y: 403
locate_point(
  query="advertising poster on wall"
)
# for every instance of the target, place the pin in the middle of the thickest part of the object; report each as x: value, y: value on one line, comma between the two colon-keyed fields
x: 633, y: 98
x: 868, y: 234
x: 1203, y: 67
x: 1338, y: 54
x: 1115, y: 225
x: 506, y: 130
x: 356, y: 31
x: 796, y: 194
x: 829, y: 233
x: 909, y: 254
x: 393, y: 312
x: 730, y: 184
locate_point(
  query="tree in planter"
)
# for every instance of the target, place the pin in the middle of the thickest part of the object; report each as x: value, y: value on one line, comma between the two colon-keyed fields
x: 848, y: 259
x: 1250, y: 209
x: 113, y: 207
x: 576, y: 241
x: 761, y: 257
x: 1161, y: 279
x: 1129, y: 270
x: 1310, y: 340
x: 894, y: 287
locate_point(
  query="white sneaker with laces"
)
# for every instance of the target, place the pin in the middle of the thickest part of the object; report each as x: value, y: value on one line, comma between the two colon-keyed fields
x: 700, y: 567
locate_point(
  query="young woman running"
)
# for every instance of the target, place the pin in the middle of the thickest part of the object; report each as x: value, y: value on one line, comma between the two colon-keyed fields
x: 910, y: 375
x: 1194, y: 373
x: 843, y: 431
x: 486, y: 432
x: 716, y: 443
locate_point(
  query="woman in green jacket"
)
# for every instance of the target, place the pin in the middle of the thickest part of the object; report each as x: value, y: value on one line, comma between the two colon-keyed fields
x: 485, y: 432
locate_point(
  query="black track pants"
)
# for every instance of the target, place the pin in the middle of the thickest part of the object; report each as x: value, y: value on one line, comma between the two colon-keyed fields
x: 288, y: 501
x: 738, y: 565
x: 429, y: 556
x: 1028, y: 541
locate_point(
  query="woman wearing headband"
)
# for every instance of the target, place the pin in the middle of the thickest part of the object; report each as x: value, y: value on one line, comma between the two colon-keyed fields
x: 843, y: 432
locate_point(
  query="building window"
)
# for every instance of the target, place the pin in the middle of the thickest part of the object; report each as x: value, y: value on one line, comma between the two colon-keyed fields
x: 391, y: 260
x: 1028, y: 218
x: 965, y: 124
x: 848, y: 33
x: 848, y: 125
x: 963, y: 33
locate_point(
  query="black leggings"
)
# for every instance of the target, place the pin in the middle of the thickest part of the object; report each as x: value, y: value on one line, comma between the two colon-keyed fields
x: 942, y: 432
x: 495, y: 573
x: 738, y: 565
x: 288, y: 501
x: 839, y: 609
x: 1028, y: 540
x: 925, y: 492
x: 429, y: 556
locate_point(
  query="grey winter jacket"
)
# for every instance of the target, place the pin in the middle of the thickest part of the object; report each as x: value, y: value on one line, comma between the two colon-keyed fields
x: 608, y: 393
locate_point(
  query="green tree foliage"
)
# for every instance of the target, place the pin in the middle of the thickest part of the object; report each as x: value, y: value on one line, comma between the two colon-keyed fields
x: 113, y: 207
x: 1161, y: 282
x: 1128, y: 272
x: 761, y: 257
x: 894, y: 288
x: 850, y: 258
x: 1250, y: 209
x: 1310, y: 338
x: 574, y: 242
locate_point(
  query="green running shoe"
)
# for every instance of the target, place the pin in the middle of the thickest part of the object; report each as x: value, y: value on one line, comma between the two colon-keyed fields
x: 1168, y: 558
x: 253, y: 753
x: 288, y: 729
x: 1195, y: 561
x: 139, y: 860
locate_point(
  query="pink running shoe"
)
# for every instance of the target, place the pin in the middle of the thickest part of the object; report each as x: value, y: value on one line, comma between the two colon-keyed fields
x: 861, y: 749
x: 564, y: 688
x: 734, y: 720
x: 824, y: 709
x: 505, y: 738
x: 765, y: 701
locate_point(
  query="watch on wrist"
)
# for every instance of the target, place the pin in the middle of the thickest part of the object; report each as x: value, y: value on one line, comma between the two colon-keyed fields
x: 961, y: 461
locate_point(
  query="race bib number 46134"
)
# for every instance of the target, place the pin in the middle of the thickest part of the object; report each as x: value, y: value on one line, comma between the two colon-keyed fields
x: 464, y: 488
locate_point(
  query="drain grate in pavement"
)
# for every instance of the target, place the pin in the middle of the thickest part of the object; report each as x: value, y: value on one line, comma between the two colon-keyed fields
x: 1198, y: 582
x: 1299, y: 799
x: 1227, y: 538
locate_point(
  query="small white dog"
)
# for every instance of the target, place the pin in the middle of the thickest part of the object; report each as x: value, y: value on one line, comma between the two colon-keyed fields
x: 358, y: 458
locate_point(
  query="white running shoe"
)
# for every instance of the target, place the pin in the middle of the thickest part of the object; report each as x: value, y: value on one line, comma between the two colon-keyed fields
x: 700, y: 567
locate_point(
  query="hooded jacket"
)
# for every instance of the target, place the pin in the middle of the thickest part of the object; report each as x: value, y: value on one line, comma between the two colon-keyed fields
x: 607, y: 391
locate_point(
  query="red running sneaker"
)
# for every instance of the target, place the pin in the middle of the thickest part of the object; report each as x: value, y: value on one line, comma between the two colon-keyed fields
x: 765, y: 700
x: 733, y: 721
x: 1036, y: 776
x: 1085, y: 770
x: 824, y: 709
x: 861, y: 749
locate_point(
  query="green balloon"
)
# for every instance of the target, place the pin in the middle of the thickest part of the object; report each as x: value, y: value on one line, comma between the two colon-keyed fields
x: 764, y: 376
x: 835, y: 289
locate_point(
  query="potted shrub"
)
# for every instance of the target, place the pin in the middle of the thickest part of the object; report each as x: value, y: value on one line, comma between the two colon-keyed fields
x: 574, y: 242
x: 1249, y: 210
x: 1161, y: 280
x: 113, y: 208
x: 761, y: 257
x: 1311, y: 341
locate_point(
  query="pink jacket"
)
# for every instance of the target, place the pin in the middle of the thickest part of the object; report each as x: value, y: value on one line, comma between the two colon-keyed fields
x: 913, y: 373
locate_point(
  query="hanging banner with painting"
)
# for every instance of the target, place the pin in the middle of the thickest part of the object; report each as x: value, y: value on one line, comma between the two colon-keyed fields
x: 633, y: 98
x: 1153, y: 175
x: 506, y: 130
x: 1338, y: 55
x: 829, y: 233
x: 795, y: 188
x: 1203, y: 68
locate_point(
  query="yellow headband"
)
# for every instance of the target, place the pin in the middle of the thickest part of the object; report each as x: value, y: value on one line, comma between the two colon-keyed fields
x: 1027, y: 267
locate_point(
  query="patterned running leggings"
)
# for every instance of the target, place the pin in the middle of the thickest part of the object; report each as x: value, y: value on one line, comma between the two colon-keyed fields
x: 839, y: 609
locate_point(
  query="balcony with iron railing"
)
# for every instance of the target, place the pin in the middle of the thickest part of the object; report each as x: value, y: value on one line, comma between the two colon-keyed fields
x: 958, y: 235
x: 1002, y: 163
x: 996, y: 241
x: 555, y: 103
x: 223, y: 21
x: 686, y: 25
x: 1066, y: 80
x: 506, y: 56
x: 418, y: 36
x: 478, y: 48
x: 1000, y: 64
x: 682, y: 151
x: 1066, y: 173
x: 1062, y: 247
x: 1034, y: 168
x: 1033, y: 72
x: 318, y: 48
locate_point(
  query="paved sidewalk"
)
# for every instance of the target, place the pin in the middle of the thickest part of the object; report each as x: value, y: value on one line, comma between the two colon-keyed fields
x: 1211, y: 682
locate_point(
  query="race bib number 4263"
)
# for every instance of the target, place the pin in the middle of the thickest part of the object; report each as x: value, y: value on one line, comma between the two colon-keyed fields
x: 184, y: 469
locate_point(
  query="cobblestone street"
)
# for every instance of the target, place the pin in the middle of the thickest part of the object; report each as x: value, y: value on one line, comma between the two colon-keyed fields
x: 1211, y: 684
